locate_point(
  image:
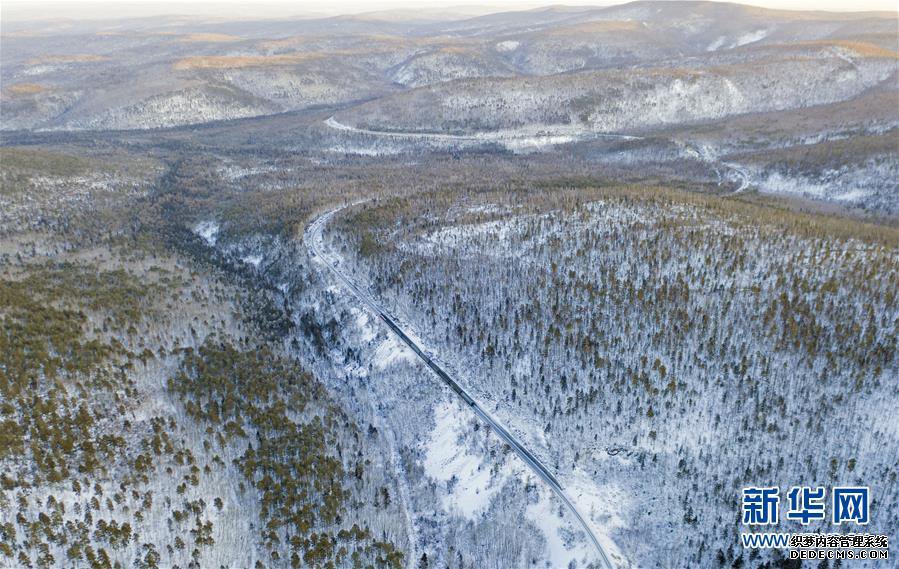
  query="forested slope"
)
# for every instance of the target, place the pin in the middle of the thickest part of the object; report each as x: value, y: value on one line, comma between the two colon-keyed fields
x: 665, y: 346
x: 152, y: 414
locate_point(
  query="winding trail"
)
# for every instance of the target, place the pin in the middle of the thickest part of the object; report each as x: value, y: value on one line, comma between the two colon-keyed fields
x: 707, y: 155
x: 490, y: 136
x: 511, y: 136
x: 315, y: 242
x: 741, y: 173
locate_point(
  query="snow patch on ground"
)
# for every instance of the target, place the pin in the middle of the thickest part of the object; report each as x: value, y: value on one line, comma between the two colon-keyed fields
x: 208, y: 230
x: 716, y: 45
x: 453, y: 236
x: 467, y: 476
x: 233, y: 172
x: 39, y: 69
x: 507, y: 46
x: 745, y: 39
x: 252, y: 260
x: 851, y: 196
x: 602, y: 507
x: 777, y: 183
x: 751, y: 37
x: 487, y: 209
x: 562, y: 545
x: 391, y: 352
x: 367, y: 331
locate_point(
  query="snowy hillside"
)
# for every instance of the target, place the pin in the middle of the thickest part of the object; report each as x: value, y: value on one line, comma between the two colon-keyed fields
x: 636, y: 337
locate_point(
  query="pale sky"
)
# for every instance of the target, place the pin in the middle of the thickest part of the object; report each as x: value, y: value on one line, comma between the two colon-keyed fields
x: 90, y: 9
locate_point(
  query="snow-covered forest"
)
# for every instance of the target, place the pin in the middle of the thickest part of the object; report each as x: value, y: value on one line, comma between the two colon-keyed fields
x: 151, y: 416
x: 660, y: 348
x: 448, y: 288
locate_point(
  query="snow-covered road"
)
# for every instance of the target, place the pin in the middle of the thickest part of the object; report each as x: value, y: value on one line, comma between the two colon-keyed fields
x: 569, y: 133
x: 315, y: 242
x: 546, y: 136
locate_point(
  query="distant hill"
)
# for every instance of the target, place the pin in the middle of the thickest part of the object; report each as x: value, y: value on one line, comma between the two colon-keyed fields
x: 169, y: 71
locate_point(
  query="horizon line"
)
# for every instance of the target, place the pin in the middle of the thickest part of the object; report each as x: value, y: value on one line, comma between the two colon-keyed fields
x: 211, y: 9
